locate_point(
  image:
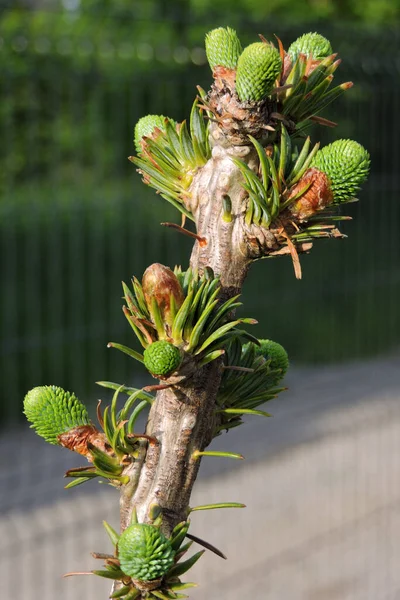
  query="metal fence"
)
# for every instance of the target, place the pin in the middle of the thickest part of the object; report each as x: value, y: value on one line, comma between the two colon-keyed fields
x: 76, y: 220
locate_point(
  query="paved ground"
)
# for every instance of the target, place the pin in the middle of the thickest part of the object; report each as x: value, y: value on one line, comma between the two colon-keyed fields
x: 321, y: 482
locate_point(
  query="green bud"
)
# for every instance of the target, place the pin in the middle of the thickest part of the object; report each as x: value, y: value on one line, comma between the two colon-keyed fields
x: 346, y: 163
x: 53, y: 411
x: 162, y: 358
x: 277, y: 355
x: 145, y: 127
x: 258, y: 68
x: 160, y: 283
x: 144, y: 552
x: 310, y: 43
x: 223, y: 48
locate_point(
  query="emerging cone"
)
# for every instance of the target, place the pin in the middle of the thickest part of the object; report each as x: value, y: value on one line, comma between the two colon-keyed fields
x: 144, y: 552
x: 258, y: 68
x: 53, y: 411
x: 277, y: 356
x: 145, y: 127
x: 162, y: 358
x: 346, y: 163
x: 223, y: 48
x: 310, y: 44
x: 169, y: 154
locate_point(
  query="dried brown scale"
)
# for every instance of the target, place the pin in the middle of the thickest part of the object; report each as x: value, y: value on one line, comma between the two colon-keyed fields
x: 78, y: 438
x: 316, y: 197
x: 147, y: 586
x: 237, y: 120
x: 159, y: 282
x: 287, y: 65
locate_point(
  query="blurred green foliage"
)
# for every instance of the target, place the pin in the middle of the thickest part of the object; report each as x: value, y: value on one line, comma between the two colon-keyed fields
x: 300, y: 11
x: 102, y: 44
x: 45, y: 57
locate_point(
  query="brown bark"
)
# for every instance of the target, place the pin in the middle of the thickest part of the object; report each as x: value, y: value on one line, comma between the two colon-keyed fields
x: 182, y: 417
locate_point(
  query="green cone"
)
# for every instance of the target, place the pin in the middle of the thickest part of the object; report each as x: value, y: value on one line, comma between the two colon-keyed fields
x: 223, y: 48
x: 278, y: 356
x: 145, y: 127
x: 162, y: 358
x: 258, y: 68
x: 144, y: 552
x: 310, y: 43
x: 346, y: 163
x: 52, y: 411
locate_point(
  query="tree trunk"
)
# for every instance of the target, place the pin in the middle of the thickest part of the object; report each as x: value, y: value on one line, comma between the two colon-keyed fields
x: 182, y: 418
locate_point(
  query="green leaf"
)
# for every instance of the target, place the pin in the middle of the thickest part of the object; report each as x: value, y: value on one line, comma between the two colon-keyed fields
x: 131, y: 300
x: 210, y: 293
x: 113, y: 408
x: 198, y: 328
x: 297, y: 72
x: 300, y: 161
x: 133, y: 418
x: 180, y: 319
x: 329, y: 97
x: 219, y: 505
x: 127, y: 390
x: 199, y: 130
x: 137, y: 395
x: 112, y: 534
x: 176, y: 587
x: 117, y: 574
x: 107, y: 425
x: 300, y: 172
x: 186, y: 145
x: 243, y: 411
x: 104, y: 462
x: 182, y: 567
x: 217, y: 335
x: 163, y: 596
x: 320, y: 72
x: 285, y: 152
x: 89, y: 472
x: 139, y: 295
x: 225, y: 308
x: 139, y: 334
x: 183, y: 549
x: 293, y: 102
x: 178, y: 206
x: 197, y: 453
x: 211, y: 356
x: 77, y: 481
x: 192, y: 315
x: 133, y: 594
x: 313, y: 97
x: 157, y: 319
x: 178, y: 534
x: 124, y: 590
x: 265, y: 172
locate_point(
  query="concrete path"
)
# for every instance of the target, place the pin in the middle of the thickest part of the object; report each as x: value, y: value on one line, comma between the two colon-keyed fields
x: 321, y: 482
